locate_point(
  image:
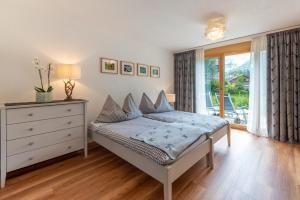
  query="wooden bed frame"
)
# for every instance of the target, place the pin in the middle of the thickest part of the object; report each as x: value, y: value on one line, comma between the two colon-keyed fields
x: 166, y: 174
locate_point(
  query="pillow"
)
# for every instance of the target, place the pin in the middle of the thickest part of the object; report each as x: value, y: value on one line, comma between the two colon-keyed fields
x: 111, y: 112
x: 130, y: 108
x: 162, y: 104
x: 146, y: 105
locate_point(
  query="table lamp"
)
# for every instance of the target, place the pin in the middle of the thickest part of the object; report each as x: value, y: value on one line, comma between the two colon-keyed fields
x: 171, y: 98
x: 69, y: 73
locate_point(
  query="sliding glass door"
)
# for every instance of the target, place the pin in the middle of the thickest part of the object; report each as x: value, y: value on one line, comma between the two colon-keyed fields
x: 212, y: 85
x: 227, y: 74
x: 236, y: 88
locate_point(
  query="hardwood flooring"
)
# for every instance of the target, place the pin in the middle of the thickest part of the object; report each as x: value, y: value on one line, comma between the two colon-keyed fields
x: 252, y: 168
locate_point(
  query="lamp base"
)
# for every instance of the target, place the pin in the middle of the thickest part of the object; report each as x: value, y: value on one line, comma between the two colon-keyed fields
x: 68, y: 98
x: 69, y: 86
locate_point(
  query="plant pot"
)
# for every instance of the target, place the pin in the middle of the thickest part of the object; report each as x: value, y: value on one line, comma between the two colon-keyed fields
x: 43, y: 97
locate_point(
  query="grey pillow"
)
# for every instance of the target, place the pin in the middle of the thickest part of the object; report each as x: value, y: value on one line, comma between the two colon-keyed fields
x: 130, y: 108
x: 162, y: 104
x: 146, y: 105
x: 111, y: 112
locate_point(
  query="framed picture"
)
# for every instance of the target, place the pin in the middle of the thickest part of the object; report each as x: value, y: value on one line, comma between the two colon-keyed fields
x: 155, y: 71
x: 142, y: 70
x: 127, y: 68
x: 109, y: 66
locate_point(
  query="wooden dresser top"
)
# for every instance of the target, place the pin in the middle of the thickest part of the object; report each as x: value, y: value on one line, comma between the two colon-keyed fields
x: 33, y: 104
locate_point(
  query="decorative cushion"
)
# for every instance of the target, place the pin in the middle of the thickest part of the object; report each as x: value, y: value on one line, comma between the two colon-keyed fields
x: 130, y: 108
x: 111, y: 112
x: 146, y: 105
x: 162, y: 104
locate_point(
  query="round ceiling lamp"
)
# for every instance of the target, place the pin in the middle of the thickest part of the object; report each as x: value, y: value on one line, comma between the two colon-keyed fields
x: 215, y: 28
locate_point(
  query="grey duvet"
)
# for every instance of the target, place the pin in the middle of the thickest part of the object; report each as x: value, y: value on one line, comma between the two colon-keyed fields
x: 160, y: 141
x: 207, y: 122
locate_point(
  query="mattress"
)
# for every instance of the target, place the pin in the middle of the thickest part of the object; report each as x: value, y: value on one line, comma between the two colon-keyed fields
x: 121, y: 133
x: 211, y: 123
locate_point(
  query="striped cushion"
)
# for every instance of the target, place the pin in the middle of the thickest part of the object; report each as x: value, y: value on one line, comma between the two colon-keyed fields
x: 162, y: 104
x: 111, y: 112
x: 130, y: 108
x: 146, y: 105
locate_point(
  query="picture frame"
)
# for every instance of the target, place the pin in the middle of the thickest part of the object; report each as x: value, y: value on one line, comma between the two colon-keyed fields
x: 142, y: 70
x: 127, y: 68
x: 155, y: 71
x: 108, y: 65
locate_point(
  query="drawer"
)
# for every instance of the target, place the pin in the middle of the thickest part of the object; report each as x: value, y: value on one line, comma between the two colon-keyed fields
x: 19, y: 115
x: 15, y: 131
x: 38, y: 141
x: 36, y: 156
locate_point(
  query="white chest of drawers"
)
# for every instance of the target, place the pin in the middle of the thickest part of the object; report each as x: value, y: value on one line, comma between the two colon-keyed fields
x: 35, y: 132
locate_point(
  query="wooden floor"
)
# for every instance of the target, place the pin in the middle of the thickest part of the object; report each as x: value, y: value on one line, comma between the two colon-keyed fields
x: 253, y: 168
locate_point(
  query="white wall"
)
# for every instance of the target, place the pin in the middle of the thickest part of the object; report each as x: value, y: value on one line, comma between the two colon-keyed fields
x: 28, y: 31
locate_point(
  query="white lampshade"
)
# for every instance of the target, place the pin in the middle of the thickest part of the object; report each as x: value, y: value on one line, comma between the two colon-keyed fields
x: 68, y: 71
x: 215, y: 28
x: 171, y: 98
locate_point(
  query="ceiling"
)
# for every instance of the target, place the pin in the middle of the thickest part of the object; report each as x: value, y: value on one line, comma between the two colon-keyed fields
x: 169, y: 24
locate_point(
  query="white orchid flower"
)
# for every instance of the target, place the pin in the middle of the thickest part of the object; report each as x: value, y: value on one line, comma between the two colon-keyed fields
x: 51, y: 68
x: 36, y: 61
x: 40, y: 67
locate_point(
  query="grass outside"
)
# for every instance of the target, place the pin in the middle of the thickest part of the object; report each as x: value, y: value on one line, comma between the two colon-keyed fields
x: 238, y: 99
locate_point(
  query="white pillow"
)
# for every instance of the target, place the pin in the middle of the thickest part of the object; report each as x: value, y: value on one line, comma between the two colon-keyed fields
x: 111, y: 112
x: 146, y: 105
x: 130, y: 108
x: 162, y: 104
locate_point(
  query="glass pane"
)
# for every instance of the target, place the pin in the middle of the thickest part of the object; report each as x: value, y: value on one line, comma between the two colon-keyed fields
x: 212, y: 85
x: 236, y: 88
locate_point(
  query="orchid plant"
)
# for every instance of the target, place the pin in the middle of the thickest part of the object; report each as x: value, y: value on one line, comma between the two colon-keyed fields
x: 41, y: 69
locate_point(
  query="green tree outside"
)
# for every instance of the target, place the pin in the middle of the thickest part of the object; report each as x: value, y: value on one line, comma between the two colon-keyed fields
x: 237, y: 86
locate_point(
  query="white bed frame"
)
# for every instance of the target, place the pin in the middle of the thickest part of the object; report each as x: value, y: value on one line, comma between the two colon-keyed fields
x: 166, y: 174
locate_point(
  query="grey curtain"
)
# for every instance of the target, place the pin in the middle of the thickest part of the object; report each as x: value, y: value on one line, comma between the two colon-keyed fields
x: 184, y: 77
x: 284, y: 85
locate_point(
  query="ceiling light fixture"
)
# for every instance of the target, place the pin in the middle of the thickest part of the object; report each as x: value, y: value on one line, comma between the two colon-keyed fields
x: 215, y: 28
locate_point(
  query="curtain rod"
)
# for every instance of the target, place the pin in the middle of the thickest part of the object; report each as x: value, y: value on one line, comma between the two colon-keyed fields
x: 239, y: 39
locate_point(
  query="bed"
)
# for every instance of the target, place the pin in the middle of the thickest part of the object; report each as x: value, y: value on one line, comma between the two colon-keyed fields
x: 117, y: 138
x: 212, y: 123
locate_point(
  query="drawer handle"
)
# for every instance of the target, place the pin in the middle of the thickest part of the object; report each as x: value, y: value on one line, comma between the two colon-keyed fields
x: 69, y: 147
x: 69, y: 135
x: 30, y: 129
x: 69, y: 110
x: 70, y: 122
x: 30, y: 158
x: 30, y: 114
x: 30, y: 143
